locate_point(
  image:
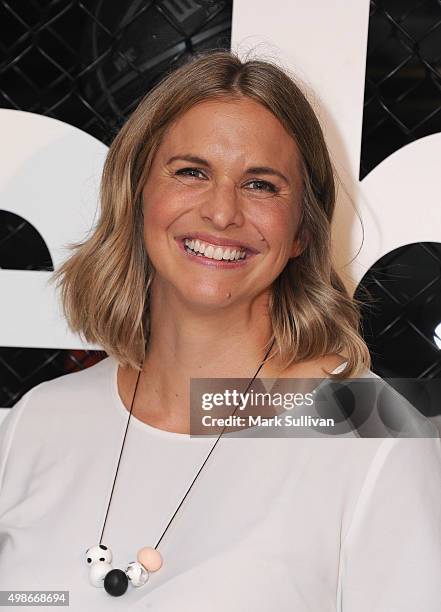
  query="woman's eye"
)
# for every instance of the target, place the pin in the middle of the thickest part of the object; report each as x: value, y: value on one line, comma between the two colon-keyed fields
x: 267, y: 186
x: 196, y: 173
x: 186, y: 171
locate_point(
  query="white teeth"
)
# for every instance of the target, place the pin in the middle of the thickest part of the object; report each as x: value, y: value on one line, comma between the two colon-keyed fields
x: 214, y: 252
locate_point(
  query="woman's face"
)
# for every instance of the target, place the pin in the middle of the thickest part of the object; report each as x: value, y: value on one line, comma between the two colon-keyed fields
x: 226, y: 174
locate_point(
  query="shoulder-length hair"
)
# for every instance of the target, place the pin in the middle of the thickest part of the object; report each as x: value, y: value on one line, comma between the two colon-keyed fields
x: 105, y: 283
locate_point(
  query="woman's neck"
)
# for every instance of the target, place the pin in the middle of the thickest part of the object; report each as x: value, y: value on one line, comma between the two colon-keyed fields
x: 183, y: 344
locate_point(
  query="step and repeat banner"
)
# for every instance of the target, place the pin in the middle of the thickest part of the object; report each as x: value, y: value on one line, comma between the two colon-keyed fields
x: 372, y: 75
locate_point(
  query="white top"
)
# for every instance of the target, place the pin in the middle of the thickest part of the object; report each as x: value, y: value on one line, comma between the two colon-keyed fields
x: 294, y: 524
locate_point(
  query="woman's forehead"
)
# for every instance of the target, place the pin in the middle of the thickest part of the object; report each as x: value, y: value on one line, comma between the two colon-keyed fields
x: 242, y: 129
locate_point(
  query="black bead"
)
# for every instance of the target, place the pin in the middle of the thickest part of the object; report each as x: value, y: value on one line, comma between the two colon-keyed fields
x: 103, y: 547
x: 116, y: 582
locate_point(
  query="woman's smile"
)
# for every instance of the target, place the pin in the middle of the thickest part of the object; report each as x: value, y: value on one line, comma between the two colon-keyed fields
x: 214, y: 256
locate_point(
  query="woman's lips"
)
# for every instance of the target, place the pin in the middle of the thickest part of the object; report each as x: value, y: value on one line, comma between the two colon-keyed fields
x: 214, y: 263
x: 215, y: 241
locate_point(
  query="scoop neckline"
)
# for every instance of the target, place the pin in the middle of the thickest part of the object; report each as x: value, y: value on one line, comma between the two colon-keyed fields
x: 154, y: 431
x: 164, y: 433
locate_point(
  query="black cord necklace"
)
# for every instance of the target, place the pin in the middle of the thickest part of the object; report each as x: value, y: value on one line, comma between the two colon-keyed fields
x: 99, y: 557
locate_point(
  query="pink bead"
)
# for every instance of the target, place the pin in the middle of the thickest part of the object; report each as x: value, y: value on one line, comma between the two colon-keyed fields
x: 150, y: 558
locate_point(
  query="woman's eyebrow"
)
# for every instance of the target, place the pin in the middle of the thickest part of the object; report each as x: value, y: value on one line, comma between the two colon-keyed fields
x: 266, y: 170
x: 253, y: 170
x: 190, y: 158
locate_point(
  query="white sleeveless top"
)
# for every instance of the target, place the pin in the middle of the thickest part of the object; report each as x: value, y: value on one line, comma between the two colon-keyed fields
x: 294, y: 524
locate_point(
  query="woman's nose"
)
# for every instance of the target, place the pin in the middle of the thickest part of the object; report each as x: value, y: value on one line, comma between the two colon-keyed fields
x: 222, y: 206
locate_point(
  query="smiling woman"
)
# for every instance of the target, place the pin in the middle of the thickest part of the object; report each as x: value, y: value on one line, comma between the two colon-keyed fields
x: 212, y: 259
x: 232, y: 154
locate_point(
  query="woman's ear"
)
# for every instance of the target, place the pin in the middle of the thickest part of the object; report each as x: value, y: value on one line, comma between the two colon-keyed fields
x: 296, y: 249
x: 299, y: 245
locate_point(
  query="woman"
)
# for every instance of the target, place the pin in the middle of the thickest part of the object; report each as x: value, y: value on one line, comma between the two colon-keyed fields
x: 211, y: 258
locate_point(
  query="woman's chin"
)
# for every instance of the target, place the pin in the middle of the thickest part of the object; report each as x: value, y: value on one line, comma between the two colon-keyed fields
x: 209, y: 301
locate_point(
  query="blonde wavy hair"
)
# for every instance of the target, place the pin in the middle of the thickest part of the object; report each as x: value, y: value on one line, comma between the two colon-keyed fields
x: 105, y: 283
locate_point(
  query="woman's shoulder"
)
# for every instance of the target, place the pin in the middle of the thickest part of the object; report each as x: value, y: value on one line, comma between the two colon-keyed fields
x: 62, y: 401
x: 363, y: 406
x: 73, y: 385
x: 57, y: 423
x: 379, y: 407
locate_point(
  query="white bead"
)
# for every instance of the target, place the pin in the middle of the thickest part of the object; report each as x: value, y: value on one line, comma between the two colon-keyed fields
x: 137, y: 574
x: 97, y: 573
x: 98, y: 553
